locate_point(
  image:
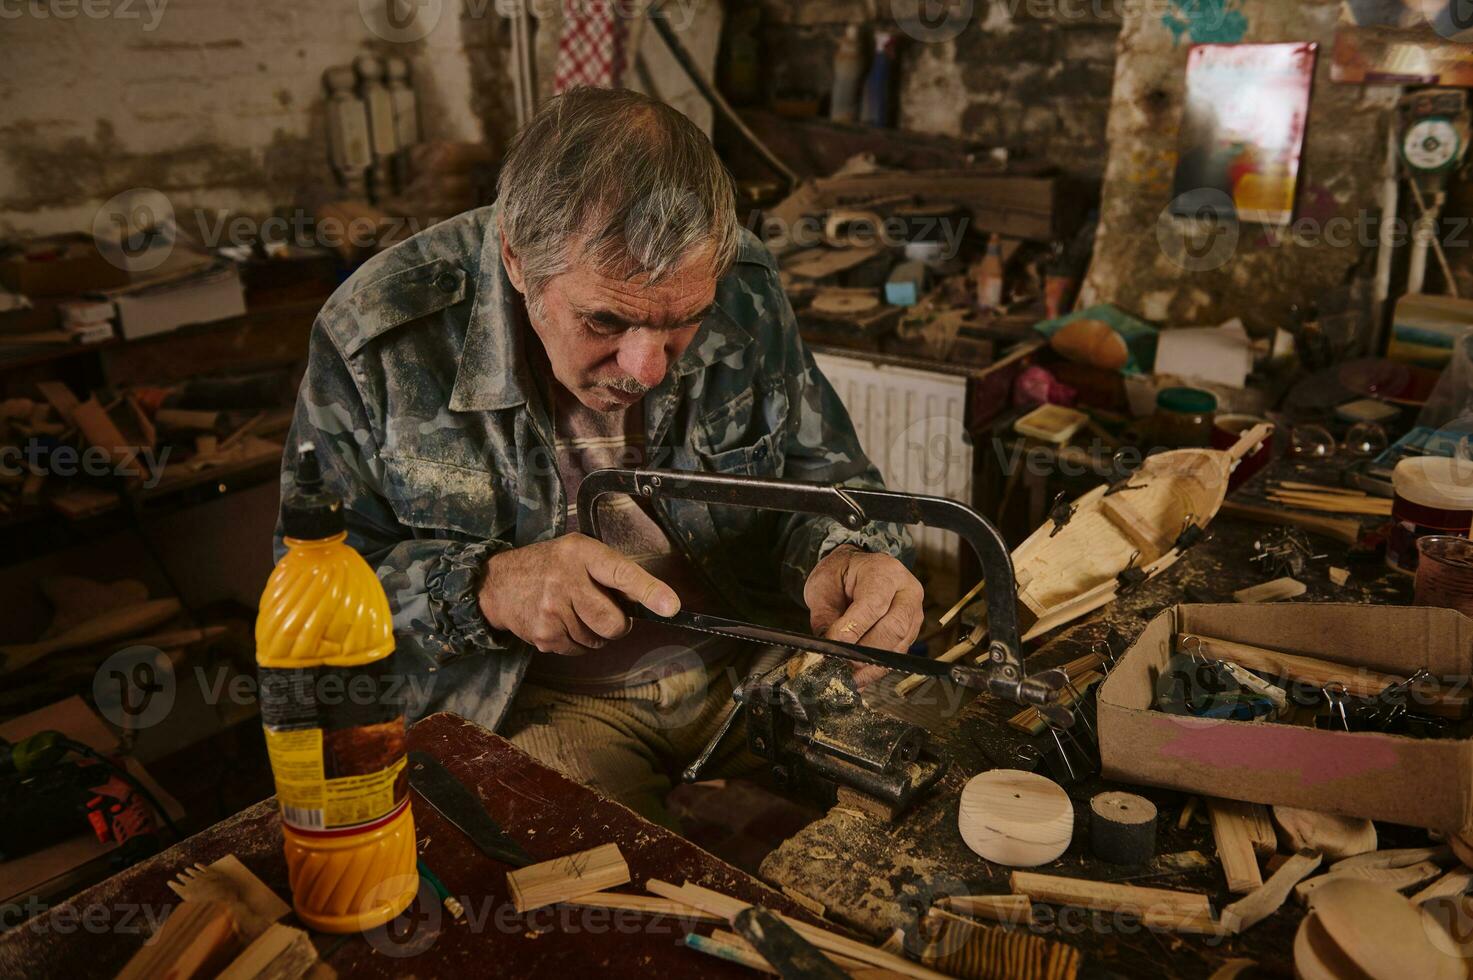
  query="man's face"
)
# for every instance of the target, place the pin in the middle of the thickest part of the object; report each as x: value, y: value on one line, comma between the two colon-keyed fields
x: 609, y: 339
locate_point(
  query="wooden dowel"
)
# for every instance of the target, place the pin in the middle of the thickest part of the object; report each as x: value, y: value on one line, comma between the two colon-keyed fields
x: 1345, y: 531
x: 649, y: 904
x: 1168, y: 909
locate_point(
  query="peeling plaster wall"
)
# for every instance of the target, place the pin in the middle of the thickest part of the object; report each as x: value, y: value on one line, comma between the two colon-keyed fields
x: 1031, y: 75
x: 1341, y: 172
x: 216, y: 103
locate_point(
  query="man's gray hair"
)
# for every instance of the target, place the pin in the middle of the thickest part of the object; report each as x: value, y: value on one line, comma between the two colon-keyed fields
x: 616, y: 178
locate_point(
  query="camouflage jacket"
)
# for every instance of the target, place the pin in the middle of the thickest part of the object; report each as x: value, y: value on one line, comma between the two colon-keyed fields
x: 432, y: 427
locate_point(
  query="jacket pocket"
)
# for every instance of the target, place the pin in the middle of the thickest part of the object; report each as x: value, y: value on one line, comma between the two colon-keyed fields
x: 758, y: 459
x: 438, y: 497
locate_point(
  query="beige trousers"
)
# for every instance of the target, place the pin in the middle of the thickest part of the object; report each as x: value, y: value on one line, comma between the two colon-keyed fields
x: 632, y: 744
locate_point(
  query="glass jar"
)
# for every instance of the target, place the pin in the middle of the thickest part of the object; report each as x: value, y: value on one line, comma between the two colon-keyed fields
x: 1183, y: 417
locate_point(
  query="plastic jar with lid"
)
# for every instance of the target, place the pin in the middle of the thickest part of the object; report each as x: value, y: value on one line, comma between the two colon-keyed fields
x: 1183, y: 417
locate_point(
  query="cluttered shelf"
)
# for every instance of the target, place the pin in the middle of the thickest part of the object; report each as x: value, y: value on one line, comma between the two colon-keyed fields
x: 138, y: 388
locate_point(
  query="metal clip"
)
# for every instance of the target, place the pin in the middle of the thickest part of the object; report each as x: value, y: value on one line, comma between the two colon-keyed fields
x: 1335, y: 698
x: 1130, y: 576
x: 1061, y: 512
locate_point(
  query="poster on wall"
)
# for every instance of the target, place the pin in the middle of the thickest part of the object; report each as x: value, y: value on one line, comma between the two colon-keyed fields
x: 1242, y: 131
x: 1404, y: 42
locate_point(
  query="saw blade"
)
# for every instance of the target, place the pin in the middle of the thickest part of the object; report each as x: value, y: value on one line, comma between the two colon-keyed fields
x: 801, y: 642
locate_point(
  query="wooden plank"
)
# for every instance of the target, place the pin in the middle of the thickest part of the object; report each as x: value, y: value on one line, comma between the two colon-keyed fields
x: 1163, y: 907
x: 1274, y: 590
x: 279, y: 953
x: 570, y: 876
x: 198, y: 939
x: 1232, y: 829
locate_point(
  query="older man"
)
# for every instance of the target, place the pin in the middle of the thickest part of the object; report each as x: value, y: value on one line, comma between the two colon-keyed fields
x: 608, y: 310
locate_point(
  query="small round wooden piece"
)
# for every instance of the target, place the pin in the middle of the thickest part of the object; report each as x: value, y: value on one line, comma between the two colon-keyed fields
x: 1383, y: 934
x: 1015, y: 818
x: 1122, y: 827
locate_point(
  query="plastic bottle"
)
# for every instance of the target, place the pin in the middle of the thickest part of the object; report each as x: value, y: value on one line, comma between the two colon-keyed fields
x: 848, y: 71
x: 875, y: 109
x: 989, y: 276
x: 335, y: 739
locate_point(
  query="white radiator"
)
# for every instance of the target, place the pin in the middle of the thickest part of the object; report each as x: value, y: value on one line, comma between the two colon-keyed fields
x: 911, y: 425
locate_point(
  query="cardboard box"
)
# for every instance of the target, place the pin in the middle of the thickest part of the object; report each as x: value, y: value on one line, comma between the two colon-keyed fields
x: 62, y: 265
x: 1419, y: 782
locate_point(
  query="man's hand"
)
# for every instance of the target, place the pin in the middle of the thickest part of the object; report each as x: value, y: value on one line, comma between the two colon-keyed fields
x: 861, y: 597
x: 555, y: 594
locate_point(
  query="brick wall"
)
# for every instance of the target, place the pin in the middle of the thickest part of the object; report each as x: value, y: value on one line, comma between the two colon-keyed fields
x: 216, y: 103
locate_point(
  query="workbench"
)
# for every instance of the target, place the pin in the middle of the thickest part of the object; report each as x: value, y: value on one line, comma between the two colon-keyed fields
x: 874, y: 876
x: 95, y: 932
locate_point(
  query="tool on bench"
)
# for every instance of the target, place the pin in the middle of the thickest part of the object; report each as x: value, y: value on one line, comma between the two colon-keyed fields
x: 792, y: 956
x: 813, y: 727
x: 457, y: 804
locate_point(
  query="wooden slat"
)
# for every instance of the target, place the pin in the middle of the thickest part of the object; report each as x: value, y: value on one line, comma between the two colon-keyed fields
x: 642, y: 903
x: 1233, y: 831
x: 1263, y: 902
x: 1163, y: 907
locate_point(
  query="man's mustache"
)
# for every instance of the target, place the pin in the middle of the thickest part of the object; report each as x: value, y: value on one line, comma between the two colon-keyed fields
x: 629, y: 386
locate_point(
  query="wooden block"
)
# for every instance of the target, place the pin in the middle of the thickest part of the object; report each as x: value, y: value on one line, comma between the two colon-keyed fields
x: 1275, y: 590
x: 1330, y: 834
x: 570, y: 876
x: 1261, y: 831
x: 1015, y: 818
x: 1012, y: 909
x: 1339, y: 575
x: 255, y: 907
x: 198, y: 939
x: 1263, y: 902
x: 1179, y: 910
x: 1142, y: 532
x: 279, y: 953
x: 1234, y: 830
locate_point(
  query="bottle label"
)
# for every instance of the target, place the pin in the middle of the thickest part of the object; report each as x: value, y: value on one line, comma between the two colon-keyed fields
x: 335, y: 737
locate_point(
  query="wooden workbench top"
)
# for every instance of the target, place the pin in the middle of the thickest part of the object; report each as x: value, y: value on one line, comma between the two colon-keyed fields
x: 872, y: 876
x: 95, y: 932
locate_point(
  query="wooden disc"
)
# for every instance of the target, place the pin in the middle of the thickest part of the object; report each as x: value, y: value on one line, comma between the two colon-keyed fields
x: 1381, y: 932
x: 843, y: 302
x: 1015, y: 818
x: 1122, y: 827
